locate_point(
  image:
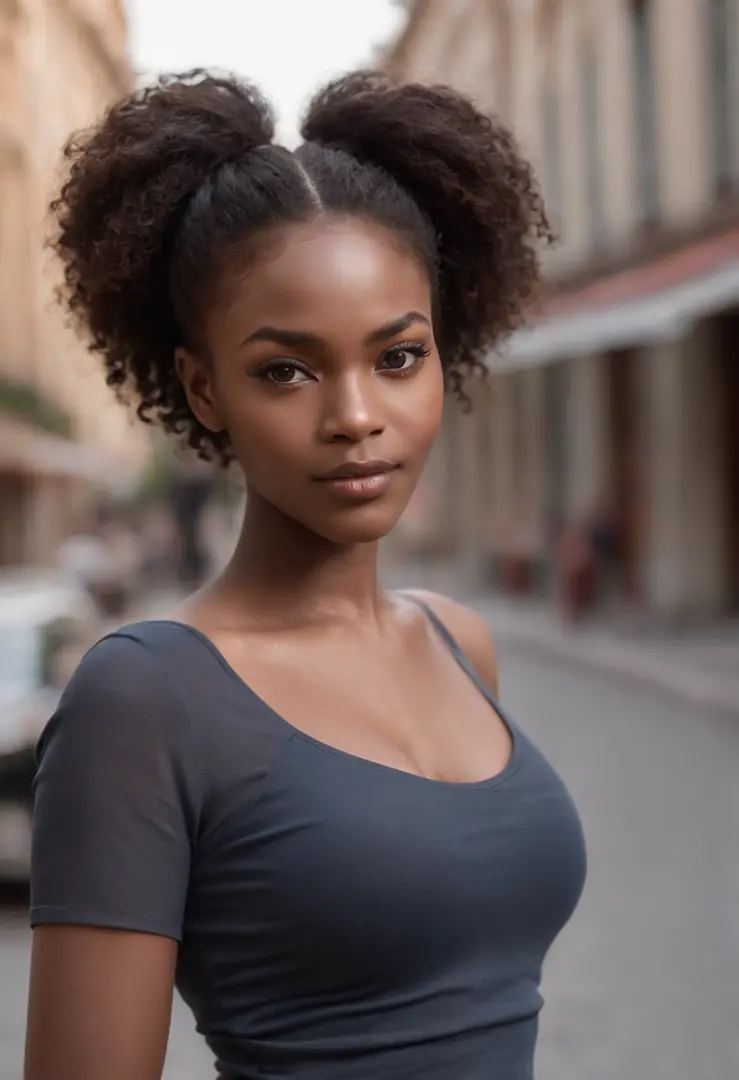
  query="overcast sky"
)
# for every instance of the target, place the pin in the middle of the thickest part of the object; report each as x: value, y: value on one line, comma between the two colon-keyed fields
x: 288, y: 47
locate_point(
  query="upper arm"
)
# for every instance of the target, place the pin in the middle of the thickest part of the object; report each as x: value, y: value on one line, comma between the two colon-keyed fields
x: 471, y: 633
x: 99, y: 1005
x: 115, y: 814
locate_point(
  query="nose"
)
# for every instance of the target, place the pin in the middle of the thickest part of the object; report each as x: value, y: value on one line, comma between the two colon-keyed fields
x: 350, y: 410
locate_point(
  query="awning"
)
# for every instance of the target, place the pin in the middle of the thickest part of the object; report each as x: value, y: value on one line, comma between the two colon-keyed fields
x: 651, y: 319
x: 26, y: 450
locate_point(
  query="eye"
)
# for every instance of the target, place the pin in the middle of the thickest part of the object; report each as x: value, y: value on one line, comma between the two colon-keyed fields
x: 283, y: 373
x: 405, y: 358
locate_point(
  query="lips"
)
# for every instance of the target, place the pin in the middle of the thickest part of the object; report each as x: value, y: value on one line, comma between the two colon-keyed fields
x: 349, y: 470
x: 359, y: 479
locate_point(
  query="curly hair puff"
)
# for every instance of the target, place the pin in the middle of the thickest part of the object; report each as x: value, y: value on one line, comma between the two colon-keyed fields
x: 181, y: 175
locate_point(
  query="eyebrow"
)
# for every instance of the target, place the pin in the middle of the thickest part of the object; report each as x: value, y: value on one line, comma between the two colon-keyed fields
x: 304, y: 339
x: 396, y: 326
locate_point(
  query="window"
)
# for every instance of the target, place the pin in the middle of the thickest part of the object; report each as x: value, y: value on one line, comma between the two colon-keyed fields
x: 646, y: 153
x: 552, y: 153
x: 590, y: 98
x: 721, y: 65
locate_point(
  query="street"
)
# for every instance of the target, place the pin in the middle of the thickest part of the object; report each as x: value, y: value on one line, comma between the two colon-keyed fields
x: 644, y: 983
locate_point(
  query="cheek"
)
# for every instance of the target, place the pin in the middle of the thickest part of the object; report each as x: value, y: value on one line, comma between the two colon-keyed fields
x: 265, y: 431
x: 265, y: 440
x: 425, y: 410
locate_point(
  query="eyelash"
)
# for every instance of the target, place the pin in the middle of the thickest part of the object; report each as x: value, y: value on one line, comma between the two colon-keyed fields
x: 413, y: 347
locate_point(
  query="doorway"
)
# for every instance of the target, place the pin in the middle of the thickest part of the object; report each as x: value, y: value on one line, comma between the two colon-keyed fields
x: 627, y: 472
x: 727, y: 356
x: 555, y: 451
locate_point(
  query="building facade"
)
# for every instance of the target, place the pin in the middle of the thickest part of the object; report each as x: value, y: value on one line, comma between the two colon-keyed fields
x: 619, y: 403
x: 61, y: 62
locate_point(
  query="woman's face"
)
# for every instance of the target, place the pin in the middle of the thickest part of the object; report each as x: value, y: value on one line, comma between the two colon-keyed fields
x: 325, y: 375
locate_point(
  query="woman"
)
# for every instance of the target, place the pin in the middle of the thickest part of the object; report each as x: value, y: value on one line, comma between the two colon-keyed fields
x: 299, y: 801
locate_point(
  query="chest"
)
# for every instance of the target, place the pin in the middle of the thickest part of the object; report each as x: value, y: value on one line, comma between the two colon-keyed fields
x: 347, y: 869
x: 414, y: 709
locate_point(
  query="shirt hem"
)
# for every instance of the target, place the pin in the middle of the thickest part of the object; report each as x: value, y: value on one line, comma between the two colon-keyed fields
x: 48, y: 914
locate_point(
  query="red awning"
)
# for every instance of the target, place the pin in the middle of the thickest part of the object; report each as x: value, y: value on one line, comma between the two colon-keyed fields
x: 665, y: 272
x: 656, y: 302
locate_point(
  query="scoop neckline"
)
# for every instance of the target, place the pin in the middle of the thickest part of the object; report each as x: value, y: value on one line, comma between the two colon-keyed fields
x: 509, y: 769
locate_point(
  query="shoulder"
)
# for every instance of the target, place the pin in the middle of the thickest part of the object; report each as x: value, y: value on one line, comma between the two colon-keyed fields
x: 469, y: 630
x: 123, y: 690
x: 136, y: 658
x: 126, y: 661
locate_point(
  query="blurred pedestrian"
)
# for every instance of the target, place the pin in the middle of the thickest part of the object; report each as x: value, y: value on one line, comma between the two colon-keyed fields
x: 82, y: 557
x: 103, y: 559
x: 158, y: 546
x: 604, y: 541
x: 301, y: 800
x: 191, y: 489
x: 577, y: 571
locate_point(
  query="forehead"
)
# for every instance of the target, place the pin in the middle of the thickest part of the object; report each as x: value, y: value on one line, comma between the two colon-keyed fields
x: 322, y: 276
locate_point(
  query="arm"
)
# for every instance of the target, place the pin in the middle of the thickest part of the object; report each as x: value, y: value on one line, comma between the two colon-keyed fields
x: 471, y: 633
x: 100, y: 1003
x: 115, y: 815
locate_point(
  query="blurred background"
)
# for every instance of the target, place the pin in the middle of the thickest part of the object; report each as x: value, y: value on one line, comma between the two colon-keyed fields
x: 587, y: 504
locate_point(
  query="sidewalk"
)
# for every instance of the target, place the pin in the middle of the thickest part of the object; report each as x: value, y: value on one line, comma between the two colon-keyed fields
x: 699, y: 666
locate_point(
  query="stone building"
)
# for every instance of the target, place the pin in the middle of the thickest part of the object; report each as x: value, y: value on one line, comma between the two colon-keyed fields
x: 61, y: 61
x: 621, y: 399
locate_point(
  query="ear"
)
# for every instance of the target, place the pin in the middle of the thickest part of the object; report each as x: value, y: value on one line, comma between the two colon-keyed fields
x: 196, y: 376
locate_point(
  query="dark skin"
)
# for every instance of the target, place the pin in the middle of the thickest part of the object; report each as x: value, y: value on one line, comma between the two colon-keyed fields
x: 320, y: 352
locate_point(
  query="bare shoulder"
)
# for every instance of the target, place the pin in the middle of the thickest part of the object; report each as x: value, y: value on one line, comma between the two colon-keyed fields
x: 469, y: 629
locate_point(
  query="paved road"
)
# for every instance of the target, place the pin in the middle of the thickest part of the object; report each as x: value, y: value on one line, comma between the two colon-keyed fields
x: 644, y: 984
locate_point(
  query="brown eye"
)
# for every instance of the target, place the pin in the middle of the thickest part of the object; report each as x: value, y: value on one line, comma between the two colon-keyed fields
x: 404, y: 358
x: 282, y: 373
x: 400, y: 359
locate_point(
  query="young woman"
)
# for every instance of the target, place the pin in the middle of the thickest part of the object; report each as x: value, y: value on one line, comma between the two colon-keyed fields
x: 299, y: 802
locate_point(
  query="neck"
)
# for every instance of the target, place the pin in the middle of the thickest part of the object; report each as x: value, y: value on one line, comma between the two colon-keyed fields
x: 282, y: 569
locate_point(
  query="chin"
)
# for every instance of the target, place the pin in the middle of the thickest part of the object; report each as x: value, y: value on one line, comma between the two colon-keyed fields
x: 362, y: 525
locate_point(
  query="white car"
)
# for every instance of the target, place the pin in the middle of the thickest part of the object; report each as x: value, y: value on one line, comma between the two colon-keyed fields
x: 46, y: 624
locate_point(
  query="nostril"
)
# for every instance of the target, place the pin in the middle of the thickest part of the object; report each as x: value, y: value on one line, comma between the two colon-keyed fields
x: 354, y: 431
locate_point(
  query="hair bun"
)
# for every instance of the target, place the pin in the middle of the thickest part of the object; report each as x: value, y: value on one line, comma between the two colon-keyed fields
x: 209, y: 119
x: 170, y: 136
x: 130, y: 180
x: 397, y: 126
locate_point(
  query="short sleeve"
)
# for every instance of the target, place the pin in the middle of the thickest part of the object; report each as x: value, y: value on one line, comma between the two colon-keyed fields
x: 116, y: 798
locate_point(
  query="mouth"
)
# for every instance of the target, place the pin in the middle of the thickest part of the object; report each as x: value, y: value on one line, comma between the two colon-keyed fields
x: 360, y: 478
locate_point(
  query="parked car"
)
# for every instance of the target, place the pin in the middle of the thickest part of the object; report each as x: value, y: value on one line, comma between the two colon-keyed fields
x: 46, y: 624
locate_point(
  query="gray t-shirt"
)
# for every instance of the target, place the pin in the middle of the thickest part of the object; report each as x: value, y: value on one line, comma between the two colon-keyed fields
x: 337, y: 918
